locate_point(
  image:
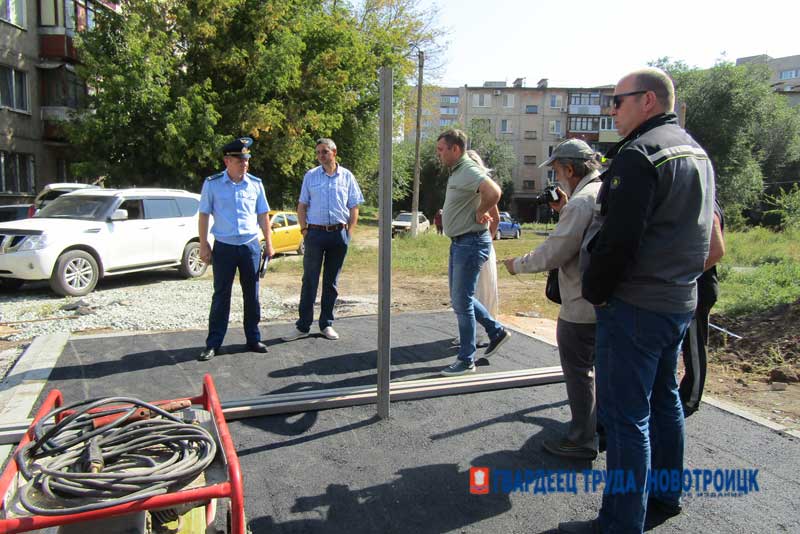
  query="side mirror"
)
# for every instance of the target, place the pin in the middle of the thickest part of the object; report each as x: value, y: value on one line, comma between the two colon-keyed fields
x: 119, y: 215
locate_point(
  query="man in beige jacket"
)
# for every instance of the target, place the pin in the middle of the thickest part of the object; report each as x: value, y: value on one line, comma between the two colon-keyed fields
x: 577, y: 170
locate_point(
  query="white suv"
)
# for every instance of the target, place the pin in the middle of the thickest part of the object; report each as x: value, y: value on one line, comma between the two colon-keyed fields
x: 83, y: 236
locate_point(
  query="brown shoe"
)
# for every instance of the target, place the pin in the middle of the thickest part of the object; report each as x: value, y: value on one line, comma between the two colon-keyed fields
x: 566, y: 448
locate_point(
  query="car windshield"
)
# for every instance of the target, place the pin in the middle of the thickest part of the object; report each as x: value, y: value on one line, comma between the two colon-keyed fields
x: 403, y: 217
x: 81, y: 207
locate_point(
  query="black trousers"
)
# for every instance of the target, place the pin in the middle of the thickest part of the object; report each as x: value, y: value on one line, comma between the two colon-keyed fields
x: 695, y: 356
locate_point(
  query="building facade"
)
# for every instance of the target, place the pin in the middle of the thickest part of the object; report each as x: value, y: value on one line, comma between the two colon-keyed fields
x: 785, y: 74
x: 38, y: 90
x: 532, y: 120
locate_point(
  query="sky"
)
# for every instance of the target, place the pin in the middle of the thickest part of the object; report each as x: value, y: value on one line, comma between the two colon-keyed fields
x: 581, y: 43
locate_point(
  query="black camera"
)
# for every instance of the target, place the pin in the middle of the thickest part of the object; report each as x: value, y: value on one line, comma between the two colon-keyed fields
x: 547, y: 196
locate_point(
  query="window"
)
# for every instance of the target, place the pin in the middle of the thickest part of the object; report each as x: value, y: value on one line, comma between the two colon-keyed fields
x: 556, y: 101
x: 529, y: 160
x: 528, y: 184
x: 47, y: 13
x: 448, y: 111
x: 481, y: 100
x: 13, y: 11
x: 17, y: 172
x: 788, y: 74
x: 608, y: 100
x: 446, y: 100
x: 292, y: 219
x: 508, y: 100
x: 446, y: 122
x: 161, y: 208
x: 505, y: 126
x: 62, y: 87
x: 278, y: 220
x: 80, y: 14
x: 531, y: 109
x: 13, y: 88
x: 551, y: 177
x: 530, y: 134
x: 584, y: 99
x: 607, y: 123
x: 555, y: 127
x: 583, y: 124
x: 187, y: 206
x: 134, y: 208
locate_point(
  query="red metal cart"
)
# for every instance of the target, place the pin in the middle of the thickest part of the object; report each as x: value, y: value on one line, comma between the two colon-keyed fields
x: 228, y: 486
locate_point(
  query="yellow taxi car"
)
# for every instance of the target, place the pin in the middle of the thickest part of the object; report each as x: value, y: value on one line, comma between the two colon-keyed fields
x: 286, y: 235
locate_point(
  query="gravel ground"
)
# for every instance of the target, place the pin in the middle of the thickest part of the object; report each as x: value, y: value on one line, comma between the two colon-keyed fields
x: 163, y: 305
x: 152, y: 301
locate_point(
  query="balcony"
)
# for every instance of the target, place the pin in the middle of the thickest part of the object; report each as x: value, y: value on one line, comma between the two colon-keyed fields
x: 609, y: 136
x: 579, y: 109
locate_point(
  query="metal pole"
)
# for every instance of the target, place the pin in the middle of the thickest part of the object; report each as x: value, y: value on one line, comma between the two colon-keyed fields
x: 385, y: 244
x: 415, y: 196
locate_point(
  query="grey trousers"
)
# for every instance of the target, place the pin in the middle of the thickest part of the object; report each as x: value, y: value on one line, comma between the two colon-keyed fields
x: 576, y: 350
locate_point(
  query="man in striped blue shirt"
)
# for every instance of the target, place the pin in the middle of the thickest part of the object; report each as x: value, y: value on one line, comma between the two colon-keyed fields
x: 328, y: 213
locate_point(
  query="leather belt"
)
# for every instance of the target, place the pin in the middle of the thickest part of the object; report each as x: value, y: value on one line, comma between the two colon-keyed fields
x: 327, y: 228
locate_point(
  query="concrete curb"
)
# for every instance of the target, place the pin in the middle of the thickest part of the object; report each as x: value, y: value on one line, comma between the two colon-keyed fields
x: 27, y: 379
x: 750, y: 416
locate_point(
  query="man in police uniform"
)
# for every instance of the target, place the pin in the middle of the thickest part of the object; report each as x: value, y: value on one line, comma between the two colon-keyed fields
x: 328, y: 212
x: 239, y: 206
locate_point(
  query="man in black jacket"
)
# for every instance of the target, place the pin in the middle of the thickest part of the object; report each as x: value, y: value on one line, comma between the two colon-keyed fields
x: 642, y: 255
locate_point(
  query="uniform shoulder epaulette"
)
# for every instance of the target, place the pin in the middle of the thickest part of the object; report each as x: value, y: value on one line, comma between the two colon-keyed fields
x: 215, y: 176
x: 256, y: 178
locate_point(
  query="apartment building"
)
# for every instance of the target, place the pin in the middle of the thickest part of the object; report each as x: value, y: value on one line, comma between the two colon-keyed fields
x: 38, y: 89
x: 785, y: 74
x: 532, y: 120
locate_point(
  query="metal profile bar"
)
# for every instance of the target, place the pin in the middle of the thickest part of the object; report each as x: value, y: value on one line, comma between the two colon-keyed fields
x: 406, y: 390
x: 385, y: 244
x: 323, y: 399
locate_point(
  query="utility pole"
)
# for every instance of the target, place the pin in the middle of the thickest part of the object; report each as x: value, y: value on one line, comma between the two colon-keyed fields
x: 415, y: 196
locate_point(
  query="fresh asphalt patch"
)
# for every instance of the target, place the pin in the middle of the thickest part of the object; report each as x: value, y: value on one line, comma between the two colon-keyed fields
x: 345, y: 470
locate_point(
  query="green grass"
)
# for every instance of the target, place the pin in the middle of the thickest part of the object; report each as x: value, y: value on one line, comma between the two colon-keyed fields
x: 760, y: 270
x: 760, y: 246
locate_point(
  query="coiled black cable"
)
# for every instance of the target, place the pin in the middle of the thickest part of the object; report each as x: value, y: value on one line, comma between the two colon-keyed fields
x: 73, y: 467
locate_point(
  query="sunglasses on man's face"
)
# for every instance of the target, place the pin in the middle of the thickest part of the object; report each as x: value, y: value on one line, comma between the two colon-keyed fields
x: 618, y: 99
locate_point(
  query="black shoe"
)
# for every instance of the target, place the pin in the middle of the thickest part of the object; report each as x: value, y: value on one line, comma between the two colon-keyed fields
x: 568, y: 449
x: 257, y: 347
x: 207, y: 354
x: 658, y: 512
x: 579, y: 527
x: 664, y: 508
x: 495, y: 343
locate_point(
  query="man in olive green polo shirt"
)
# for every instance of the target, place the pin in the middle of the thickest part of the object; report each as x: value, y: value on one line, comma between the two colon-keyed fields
x: 471, y: 194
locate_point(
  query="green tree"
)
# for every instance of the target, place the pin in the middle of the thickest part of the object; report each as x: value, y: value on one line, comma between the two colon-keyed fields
x: 750, y: 133
x: 174, y: 79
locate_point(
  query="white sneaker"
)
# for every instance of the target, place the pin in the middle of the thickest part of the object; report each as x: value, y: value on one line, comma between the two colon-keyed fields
x: 297, y: 334
x: 330, y: 333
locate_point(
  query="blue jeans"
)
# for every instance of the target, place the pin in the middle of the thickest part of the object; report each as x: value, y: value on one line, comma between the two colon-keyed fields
x: 226, y: 259
x: 468, y: 253
x: 638, y: 404
x: 325, y: 252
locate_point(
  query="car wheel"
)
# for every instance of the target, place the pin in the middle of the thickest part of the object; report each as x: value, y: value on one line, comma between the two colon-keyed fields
x: 191, y: 264
x: 301, y: 249
x: 76, y: 273
x: 498, y: 236
x: 517, y: 234
x: 11, y: 284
